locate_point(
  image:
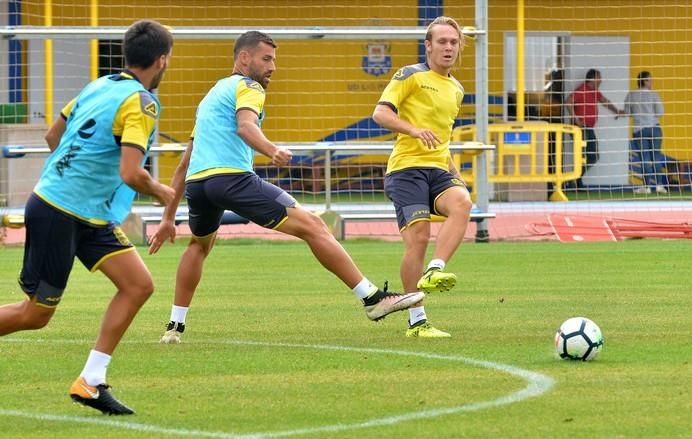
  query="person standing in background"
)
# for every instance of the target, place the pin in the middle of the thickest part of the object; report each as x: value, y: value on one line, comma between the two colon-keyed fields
x: 582, y: 106
x: 646, y: 109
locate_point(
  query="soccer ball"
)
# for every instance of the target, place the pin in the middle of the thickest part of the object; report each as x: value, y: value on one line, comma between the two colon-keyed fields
x: 578, y: 339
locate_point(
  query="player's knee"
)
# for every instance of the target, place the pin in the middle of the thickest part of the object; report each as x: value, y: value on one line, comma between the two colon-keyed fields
x: 461, y: 205
x: 146, y: 287
x: 466, y: 203
x: 419, y: 235
x: 200, y: 246
x: 141, y: 289
x: 422, y: 238
x: 36, y: 317
x: 319, y: 225
x: 314, y: 227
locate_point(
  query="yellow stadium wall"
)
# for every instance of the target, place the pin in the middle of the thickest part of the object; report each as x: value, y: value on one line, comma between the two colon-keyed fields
x: 320, y: 86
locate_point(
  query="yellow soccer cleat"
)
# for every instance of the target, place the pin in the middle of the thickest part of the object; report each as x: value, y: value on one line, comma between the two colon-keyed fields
x: 435, y: 281
x: 425, y: 330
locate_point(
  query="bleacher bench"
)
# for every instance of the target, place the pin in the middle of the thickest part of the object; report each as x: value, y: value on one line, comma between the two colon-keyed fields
x: 227, y: 218
x: 476, y: 216
x: 17, y: 221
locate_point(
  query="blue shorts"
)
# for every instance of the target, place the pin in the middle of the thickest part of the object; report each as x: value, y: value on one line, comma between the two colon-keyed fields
x: 245, y: 194
x: 415, y: 190
x: 53, y: 239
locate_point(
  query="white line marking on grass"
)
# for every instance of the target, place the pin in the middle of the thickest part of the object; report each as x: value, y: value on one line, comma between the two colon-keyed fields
x: 537, y: 384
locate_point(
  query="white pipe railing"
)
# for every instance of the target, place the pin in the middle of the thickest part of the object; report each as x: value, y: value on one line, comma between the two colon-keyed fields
x: 328, y: 148
x: 227, y: 33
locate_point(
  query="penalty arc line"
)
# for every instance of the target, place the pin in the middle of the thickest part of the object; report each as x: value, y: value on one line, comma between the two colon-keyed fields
x: 537, y: 384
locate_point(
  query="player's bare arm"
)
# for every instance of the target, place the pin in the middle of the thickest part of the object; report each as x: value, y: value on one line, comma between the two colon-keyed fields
x: 138, y: 178
x: 387, y: 118
x: 454, y: 171
x: 55, y: 132
x: 166, y: 230
x: 251, y: 133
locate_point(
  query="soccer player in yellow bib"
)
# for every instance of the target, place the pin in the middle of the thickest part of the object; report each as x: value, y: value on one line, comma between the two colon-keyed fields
x: 420, y: 104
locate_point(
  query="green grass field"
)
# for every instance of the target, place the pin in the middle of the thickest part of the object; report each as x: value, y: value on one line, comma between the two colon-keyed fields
x: 277, y: 347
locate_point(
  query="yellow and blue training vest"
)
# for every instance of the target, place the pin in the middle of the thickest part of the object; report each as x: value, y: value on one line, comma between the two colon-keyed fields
x: 218, y: 149
x: 82, y: 175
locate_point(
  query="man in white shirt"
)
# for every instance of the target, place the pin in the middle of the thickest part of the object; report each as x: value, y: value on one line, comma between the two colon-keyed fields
x: 646, y: 109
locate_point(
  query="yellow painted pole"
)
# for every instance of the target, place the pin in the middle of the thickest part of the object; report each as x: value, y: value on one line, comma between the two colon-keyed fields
x: 94, y: 21
x: 520, y: 60
x: 48, y: 12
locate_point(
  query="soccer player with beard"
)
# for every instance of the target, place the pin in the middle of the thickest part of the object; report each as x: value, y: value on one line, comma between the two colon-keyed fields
x: 216, y: 174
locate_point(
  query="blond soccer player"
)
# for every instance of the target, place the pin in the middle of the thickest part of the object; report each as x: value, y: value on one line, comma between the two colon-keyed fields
x: 420, y: 104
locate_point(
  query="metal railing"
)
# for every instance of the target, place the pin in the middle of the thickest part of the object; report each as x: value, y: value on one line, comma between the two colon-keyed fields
x: 532, y: 152
x: 329, y: 149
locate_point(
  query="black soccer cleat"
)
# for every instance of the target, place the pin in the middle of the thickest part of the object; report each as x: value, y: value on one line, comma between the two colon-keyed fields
x: 98, y: 397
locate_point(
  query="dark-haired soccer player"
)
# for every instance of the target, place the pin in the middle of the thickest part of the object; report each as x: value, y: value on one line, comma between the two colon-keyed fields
x: 216, y: 173
x: 420, y: 103
x: 85, y: 190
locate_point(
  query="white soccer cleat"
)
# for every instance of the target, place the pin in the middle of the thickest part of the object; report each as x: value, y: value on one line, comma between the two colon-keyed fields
x: 173, y: 334
x: 383, y: 303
